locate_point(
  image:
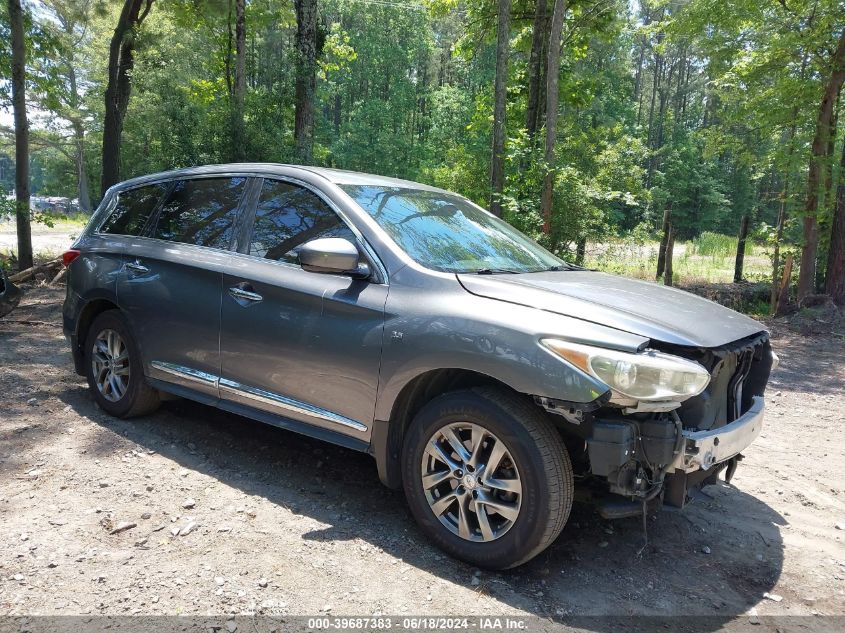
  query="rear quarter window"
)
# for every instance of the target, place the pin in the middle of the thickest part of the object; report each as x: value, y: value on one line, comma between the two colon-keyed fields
x: 133, y: 209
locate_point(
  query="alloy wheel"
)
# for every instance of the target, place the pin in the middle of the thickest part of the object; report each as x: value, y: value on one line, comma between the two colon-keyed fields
x: 110, y: 363
x: 471, y: 482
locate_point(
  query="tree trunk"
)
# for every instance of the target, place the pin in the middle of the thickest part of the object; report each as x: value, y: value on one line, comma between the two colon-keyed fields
x: 306, y: 78
x: 740, y: 249
x: 664, y: 241
x: 21, y: 136
x: 337, y: 110
x: 773, y: 297
x: 119, y: 86
x: 73, y: 102
x: 239, y: 92
x: 670, y: 252
x: 497, y: 159
x: 228, y: 57
x: 81, y: 171
x: 580, y: 250
x: 535, y: 69
x: 807, y: 268
x: 552, y: 78
x: 784, y: 196
x: 835, y: 277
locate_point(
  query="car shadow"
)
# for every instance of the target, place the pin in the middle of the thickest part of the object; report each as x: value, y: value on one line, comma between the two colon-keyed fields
x: 714, y: 559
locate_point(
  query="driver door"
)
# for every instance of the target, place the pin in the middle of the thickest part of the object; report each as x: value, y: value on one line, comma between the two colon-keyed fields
x: 304, y: 346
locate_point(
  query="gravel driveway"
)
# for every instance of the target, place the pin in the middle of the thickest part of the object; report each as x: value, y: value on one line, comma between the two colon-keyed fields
x: 196, y: 511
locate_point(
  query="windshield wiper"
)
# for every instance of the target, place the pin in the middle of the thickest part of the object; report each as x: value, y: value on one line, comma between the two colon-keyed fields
x: 494, y: 271
x: 558, y: 268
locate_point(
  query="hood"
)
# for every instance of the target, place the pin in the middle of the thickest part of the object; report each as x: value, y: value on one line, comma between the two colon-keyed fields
x: 648, y: 309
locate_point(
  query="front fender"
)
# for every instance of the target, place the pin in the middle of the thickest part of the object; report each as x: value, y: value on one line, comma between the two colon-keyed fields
x: 432, y: 329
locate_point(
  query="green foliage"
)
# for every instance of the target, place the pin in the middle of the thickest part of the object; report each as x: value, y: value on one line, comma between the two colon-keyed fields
x: 703, y: 107
x: 715, y: 245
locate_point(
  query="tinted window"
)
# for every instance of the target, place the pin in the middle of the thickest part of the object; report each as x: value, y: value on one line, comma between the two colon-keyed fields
x: 287, y: 217
x: 201, y: 212
x: 133, y: 209
x: 446, y: 232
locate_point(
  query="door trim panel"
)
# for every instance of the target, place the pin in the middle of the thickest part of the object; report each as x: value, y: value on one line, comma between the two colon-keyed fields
x: 284, y: 403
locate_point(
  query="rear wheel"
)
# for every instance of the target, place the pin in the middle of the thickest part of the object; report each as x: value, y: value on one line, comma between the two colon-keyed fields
x: 114, y: 370
x: 487, y: 477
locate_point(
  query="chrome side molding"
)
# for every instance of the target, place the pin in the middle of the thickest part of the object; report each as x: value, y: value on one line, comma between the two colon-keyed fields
x: 277, y: 401
x: 187, y: 373
x: 287, y: 404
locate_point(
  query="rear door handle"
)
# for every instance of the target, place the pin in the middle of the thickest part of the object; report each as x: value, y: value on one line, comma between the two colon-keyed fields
x: 137, y: 267
x: 247, y: 295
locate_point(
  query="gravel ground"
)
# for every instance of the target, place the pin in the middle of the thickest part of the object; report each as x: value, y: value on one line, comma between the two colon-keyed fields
x: 199, y: 512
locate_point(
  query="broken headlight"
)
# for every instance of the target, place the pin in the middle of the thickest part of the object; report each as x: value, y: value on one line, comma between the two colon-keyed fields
x: 648, y: 375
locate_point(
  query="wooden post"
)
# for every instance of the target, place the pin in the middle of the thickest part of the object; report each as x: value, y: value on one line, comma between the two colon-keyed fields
x: 783, y: 297
x: 740, y: 249
x: 670, y: 247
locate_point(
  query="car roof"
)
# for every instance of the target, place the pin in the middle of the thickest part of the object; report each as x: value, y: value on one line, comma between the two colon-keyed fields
x: 335, y: 176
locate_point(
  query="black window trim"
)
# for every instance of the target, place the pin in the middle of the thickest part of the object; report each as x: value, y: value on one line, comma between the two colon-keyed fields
x: 170, y: 183
x: 367, y: 252
x: 115, y: 196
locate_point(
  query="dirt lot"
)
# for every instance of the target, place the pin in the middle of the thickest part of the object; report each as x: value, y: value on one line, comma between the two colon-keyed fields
x: 229, y: 516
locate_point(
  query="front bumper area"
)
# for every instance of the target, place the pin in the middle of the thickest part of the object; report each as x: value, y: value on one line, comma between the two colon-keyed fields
x: 705, y: 449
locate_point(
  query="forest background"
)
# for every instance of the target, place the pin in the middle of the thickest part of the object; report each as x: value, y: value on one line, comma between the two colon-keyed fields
x: 630, y: 136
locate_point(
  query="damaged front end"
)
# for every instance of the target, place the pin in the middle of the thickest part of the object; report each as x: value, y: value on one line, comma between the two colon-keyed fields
x: 661, y: 450
x: 10, y: 294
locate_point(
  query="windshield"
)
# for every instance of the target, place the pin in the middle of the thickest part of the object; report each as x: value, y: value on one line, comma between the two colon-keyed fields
x: 448, y: 233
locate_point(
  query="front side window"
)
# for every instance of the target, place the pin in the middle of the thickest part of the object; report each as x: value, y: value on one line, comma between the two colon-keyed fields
x: 202, y: 212
x: 288, y: 216
x: 446, y: 232
x: 133, y: 209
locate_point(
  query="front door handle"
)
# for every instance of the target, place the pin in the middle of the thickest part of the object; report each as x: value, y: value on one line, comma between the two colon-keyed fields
x: 247, y: 295
x: 137, y: 267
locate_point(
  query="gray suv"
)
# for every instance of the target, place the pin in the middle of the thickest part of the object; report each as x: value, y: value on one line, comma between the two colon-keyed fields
x: 483, y: 374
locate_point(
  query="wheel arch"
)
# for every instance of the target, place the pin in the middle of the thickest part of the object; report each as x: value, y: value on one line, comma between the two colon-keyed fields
x: 90, y: 311
x: 388, y: 435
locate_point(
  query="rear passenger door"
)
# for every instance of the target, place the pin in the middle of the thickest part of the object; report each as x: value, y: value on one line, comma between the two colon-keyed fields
x: 302, y: 345
x: 170, y: 283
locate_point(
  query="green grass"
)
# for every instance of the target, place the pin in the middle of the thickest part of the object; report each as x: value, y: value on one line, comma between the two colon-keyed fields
x: 707, y: 259
x: 62, y: 221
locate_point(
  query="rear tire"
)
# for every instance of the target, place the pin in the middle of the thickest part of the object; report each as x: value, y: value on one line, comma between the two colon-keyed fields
x: 526, y: 496
x: 114, y: 369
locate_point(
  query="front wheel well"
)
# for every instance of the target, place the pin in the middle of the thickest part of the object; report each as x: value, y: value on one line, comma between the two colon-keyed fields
x: 413, y: 397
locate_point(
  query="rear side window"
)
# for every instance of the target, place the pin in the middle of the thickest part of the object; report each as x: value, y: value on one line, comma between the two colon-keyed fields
x: 288, y: 216
x: 202, y: 212
x: 133, y: 209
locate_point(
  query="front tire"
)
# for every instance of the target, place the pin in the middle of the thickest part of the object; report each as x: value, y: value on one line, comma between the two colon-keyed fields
x: 114, y: 369
x: 487, y: 477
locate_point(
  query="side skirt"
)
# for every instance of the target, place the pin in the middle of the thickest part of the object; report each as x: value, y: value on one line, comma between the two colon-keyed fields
x: 281, y: 422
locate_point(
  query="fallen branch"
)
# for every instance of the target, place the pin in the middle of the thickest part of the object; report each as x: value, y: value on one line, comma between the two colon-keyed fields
x: 59, y: 276
x: 30, y: 322
x: 24, y: 275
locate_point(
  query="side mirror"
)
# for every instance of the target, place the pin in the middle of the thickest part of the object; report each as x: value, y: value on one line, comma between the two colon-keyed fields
x: 332, y: 255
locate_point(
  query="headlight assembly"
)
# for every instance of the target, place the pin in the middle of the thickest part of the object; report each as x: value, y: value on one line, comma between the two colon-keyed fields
x: 647, y: 376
